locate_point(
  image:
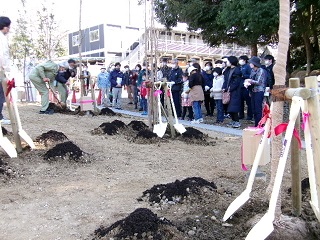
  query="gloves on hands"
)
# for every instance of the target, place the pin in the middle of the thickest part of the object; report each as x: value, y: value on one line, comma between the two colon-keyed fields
x: 206, y: 88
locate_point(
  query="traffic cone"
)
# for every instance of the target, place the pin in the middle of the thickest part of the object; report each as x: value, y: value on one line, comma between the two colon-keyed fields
x: 99, y: 98
x: 74, y: 99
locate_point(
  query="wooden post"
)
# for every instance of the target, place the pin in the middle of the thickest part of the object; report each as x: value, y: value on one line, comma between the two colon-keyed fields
x: 295, y: 162
x: 313, y: 105
x: 13, y: 120
x: 170, y: 117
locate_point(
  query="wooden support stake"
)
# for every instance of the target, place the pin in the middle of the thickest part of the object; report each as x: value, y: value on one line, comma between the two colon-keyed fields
x: 294, y: 83
x: 13, y: 120
x: 313, y: 106
x: 170, y: 117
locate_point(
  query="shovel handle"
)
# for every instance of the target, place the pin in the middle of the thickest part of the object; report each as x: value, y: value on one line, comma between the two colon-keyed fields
x: 310, y: 157
x: 294, y: 112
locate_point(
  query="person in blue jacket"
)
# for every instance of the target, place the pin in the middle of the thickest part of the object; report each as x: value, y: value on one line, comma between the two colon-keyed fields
x: 104, y: 86
x: 117, y: 81
x: 176, y: 77
x: 208, y: 80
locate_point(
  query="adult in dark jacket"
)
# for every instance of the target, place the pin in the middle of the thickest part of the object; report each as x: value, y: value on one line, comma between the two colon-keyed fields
x: 232, y: 81
x: 176, y: 77
x: 208, y: 80
x: 245, y: 96
x: 117, y: 81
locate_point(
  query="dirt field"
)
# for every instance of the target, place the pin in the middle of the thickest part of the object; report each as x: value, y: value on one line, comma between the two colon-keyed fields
x: 66, y: 199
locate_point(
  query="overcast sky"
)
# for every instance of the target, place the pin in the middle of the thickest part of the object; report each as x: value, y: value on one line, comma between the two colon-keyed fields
x: 93, y: 11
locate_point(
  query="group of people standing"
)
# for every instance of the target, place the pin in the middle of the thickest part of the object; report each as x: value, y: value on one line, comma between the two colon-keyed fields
x: 247, y: 81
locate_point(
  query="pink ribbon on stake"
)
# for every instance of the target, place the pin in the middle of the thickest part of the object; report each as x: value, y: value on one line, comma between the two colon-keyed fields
x: 157, y: 93
x: 283, y: 127
x: 305, y: 118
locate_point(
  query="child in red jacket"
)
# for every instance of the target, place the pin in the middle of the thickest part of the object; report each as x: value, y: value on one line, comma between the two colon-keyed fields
x: 144, y: 95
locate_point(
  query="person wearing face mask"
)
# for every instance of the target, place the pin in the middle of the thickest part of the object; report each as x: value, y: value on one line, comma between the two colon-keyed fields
x: 232, y: 83
x: 176, y: 77
x: 140, y: 80
x: 128, y: 83
x: 86, y: 78
x: 208, y: 78
x: 258, y: 78
x: 117, y: 82
x: 245, y: 96
x: 5, y: 23
x: 269, y: 63
x: 134, y: 77
x: 103, y: 79
x: 216, y: 91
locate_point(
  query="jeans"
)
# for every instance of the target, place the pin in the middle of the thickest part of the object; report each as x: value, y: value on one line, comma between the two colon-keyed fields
x: 116, y: 101
x: 220, y: 114
x: 197, y: 109
x: 144, y: 104
x: 256, y: 103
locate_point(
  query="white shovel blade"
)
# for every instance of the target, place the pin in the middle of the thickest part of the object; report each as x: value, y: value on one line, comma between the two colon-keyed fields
x: 8, y: 147
x: 315, y: 210
x: 262, y: 229
x: 27, y: 138
x: 237, y: 203
x: 160, y: 129
x: 180, y: 128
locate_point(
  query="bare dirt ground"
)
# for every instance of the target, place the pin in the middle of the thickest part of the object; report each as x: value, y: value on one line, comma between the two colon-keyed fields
x: 66, y: 199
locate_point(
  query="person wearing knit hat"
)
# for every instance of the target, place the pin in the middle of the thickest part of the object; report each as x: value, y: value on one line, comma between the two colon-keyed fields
x: 232, y: 83
x: 257, y: 80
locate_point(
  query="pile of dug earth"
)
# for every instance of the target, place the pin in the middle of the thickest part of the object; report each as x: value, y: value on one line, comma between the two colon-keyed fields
x: 60, y: 147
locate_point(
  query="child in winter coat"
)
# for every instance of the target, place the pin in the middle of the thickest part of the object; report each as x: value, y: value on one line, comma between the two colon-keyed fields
x: 185, y: 100
x: 143, y: 95
x: 216, y: 93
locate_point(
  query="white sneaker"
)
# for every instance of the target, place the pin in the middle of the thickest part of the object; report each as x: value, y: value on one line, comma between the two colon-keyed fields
x: 5, y: 121
x: 200, y: 120
x: 195, y: 121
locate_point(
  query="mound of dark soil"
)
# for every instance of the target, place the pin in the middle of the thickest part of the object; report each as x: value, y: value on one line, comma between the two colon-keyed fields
x: 60, y: 108
x: 140, y: 224
x: 119, y: 124
x: 65, y: 149
x: 109, y: 128
x: 107, y: 111
x: 5, y: 169
x: 146, y: 134
x: 137, y: 125
x: 193, y: 133
x: 194, y: 136
x: 177, y: 190
x: 51, y: 137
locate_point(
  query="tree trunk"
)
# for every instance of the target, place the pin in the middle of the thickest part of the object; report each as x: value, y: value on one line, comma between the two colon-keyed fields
x: 280, y: 76
x: 307, y: 45
x: 254, y: 49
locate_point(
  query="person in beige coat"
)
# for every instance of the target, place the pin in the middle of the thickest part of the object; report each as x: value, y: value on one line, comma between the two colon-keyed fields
x: 196, y: 93
x: 41, y: 75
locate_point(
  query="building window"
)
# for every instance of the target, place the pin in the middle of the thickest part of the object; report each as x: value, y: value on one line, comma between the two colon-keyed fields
x: 75, y: 40
x: 94, y: 35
